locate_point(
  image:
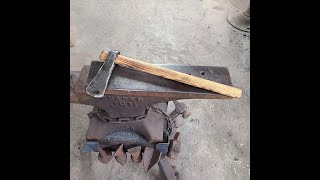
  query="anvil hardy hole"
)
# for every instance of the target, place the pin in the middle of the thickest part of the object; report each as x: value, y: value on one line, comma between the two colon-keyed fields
x: 202, y: 73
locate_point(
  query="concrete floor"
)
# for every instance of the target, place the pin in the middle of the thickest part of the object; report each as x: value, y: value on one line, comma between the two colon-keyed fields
x: 216, y: 137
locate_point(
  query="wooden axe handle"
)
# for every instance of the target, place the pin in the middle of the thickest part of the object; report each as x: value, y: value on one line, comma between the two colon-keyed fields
x: 175, y: 75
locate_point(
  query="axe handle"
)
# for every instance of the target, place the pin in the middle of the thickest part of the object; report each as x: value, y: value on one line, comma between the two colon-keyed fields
x: 175, y: 75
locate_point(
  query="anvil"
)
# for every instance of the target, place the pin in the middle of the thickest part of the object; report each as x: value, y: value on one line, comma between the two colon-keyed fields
x: 132, y: 118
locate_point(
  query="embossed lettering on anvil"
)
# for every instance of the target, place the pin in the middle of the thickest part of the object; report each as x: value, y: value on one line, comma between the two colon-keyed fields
x: 122, y: 103
x: 131, y: 104
x: 125, y: 101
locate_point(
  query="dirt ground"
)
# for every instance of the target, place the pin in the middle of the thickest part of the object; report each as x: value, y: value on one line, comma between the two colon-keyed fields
x: 216, y: 137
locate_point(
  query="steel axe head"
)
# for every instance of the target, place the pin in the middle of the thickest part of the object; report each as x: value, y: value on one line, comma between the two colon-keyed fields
x: 97, y: 87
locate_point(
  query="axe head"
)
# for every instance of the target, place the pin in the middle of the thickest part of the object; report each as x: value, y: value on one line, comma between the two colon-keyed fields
x: 97, y: 87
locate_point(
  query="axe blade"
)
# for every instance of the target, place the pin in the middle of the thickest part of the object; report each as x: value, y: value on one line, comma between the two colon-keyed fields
x: 97, y: 87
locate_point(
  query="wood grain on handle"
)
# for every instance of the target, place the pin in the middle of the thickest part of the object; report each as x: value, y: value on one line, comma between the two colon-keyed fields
x: 175, y: 75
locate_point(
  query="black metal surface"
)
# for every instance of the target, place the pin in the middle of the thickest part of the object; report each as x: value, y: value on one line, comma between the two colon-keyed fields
x: 163, y: 148
x: 97, y: 86
x: 128, y: 137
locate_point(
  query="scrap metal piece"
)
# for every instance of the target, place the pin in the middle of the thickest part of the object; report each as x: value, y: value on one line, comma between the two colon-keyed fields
x: 154, y: 159
x: 163, y: 148
x: 174, y: 146
x: 186, y: 114
x: 98, y: 85
x: 120, y: 155
x: 147, y: 155
x: 180, y: 108
x: 88, y: 147
x: 178, y: 121
x: 167, y: 171
x: 104, y: 156
x: 150, y: 158
x: 135, y: 154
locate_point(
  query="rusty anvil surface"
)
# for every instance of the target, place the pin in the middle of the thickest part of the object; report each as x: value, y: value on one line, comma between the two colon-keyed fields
x: 129, y: 88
